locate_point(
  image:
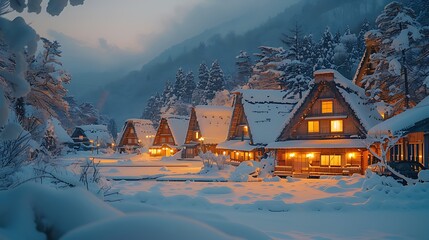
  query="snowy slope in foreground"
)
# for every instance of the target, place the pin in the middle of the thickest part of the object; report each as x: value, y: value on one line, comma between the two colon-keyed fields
x: 370, y: 207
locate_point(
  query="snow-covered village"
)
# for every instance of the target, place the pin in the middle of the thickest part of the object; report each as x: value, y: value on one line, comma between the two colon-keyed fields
x: 204, y: 119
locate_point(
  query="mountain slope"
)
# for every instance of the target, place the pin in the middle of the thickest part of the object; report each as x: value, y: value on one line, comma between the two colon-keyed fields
x: 127, y: 96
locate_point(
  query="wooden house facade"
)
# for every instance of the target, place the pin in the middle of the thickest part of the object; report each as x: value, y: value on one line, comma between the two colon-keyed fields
x: 257, y: 115
x: 208, y: 126
x: 170, y: 136
x: 136, y: 133
x: 414, y: 125
x: 326, y: 130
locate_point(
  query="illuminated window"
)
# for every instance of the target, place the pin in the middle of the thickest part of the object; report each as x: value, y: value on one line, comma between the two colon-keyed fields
x: 196, y: 135
x: 336, y: 125
x: 330, y: 160
x: 313, y: 126
x: 327, y: 107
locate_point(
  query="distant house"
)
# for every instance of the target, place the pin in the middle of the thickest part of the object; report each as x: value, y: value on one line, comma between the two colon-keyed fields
x: 91, y: 136
x: 208, y: 126
x: 258, y: 117
x: 59, y: 132
x: 136, y: 133
x: 414, y: 123
x: 325, y: 132
x: 170, y: 135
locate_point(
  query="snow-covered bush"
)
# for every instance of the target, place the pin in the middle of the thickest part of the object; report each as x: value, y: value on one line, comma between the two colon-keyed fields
x: 267, y: 164
x: 424, y: 176
x: 210, y: 159
x: 246, y: 171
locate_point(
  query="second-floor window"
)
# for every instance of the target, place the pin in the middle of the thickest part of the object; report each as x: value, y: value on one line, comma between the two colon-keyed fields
x: 327, y: 107
x: 336, y: 125
x: 313, y: 126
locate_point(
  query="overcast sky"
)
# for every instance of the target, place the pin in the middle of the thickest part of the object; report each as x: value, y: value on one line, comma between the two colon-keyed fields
x: 114, y: 33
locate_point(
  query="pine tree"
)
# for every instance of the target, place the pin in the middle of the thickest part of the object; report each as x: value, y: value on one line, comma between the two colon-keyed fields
x: 153, y: 107
x: 397, y: 80
x: 203, y: 76
x: 244, y: 68
x: 294, y: 42
x: 112, y: 128
x: 266, y: 72
x: 216, y: 81
x: 365, y: 27
x: 296, y: 79
x: 325, y: 50
x: 189, y: 87
x: 179, y: 84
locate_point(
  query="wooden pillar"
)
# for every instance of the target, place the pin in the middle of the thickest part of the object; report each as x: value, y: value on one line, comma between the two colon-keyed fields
x: 426, y: 150
x: 364, y: 161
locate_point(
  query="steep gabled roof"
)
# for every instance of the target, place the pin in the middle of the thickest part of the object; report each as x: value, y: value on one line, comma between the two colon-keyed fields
x: 213, y: 122
x: 403, y: 121
x: 59, y: 131
x: 178, y: 126
x: 266, y: 112
x: 353, y: 96
x: 143, y: 129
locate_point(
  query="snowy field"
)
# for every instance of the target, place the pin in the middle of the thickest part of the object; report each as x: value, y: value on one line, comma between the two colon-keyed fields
x: 356, y: 207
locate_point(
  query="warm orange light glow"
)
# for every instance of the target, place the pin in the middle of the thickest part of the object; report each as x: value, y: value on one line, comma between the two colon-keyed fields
x: 292, y: 155
x: 250, y: 155
x: 336, y: 125
x: 351, y: 155
x: 224, y: 152
x: 171, y: 150
x: 201, y: 139
x: 310, y: 155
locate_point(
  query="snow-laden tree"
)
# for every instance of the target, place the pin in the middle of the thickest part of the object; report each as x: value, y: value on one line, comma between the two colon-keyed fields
x: 152, y: 110
x: 189, y: 87
x: 216, y: 80
x: 364, y: 28
x: 243, y: 64
x: 46, y: 77
x: 294, y: 42
x: 199, y: 96
x: 346, y: 54
x: 398, y: 80
x: 179, y: 84
x: 267, y: 71
x: 296, y: 79
x: 379, y: 145
x: 325, y: 50
x: 112, y: 128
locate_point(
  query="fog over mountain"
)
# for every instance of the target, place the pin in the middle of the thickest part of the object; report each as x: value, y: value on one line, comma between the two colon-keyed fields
x: 137, y: 86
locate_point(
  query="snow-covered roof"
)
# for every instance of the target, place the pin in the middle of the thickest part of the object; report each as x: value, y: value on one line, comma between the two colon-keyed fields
x: 60, y: 132
x: 238, y: 145
x: 356, y: 98
x: 402, y: 121
x: 325, y: 143
x: 94, y: 131
x: 214, y: 122
x: 179, y: 127
x: 143, y: 128
x: 266, y: 111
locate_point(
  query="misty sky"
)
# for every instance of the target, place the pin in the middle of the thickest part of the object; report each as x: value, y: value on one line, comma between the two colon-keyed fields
x: 106, y: 34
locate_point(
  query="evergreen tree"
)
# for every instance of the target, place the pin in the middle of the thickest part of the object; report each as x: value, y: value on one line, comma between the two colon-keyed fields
x: 216, y: 81
x: 325, y: 50
x: 203, y: 76
x: 152, y: 110
x: 189, y: 87
x: 397, y: 79
x: 244, y: 68
x: 294, y: 42
x: 267, y: 72
x: 179, y: 84
x: 296, y: 79
x: 365, y: 27
x: 113, y: 129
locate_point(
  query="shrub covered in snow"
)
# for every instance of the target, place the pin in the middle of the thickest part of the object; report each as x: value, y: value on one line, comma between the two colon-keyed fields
x: 246, y: 171
x: 424, y: 176
x: 210, y: 159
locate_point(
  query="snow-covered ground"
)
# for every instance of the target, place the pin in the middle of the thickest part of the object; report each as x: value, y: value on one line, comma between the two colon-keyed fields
x: 356, y: 207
